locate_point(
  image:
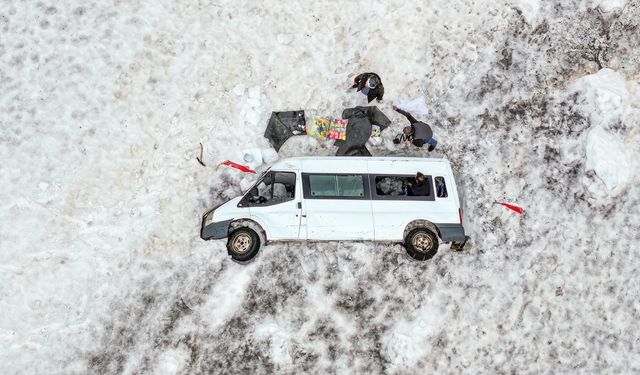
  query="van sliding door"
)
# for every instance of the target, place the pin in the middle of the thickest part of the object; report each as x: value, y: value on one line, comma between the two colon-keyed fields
x: 337, y: 207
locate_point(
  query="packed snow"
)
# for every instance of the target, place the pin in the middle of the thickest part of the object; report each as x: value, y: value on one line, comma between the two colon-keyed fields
x: 103, y: 107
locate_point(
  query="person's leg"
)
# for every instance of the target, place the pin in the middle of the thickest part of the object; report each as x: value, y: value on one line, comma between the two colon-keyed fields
x: 432, y: 144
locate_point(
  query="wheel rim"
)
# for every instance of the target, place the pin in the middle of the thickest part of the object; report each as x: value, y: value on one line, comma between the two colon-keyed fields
x: 242, y: 243
x: 422, y: 242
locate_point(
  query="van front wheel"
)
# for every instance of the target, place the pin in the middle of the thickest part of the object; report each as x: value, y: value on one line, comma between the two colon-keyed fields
x: 243, y: 244
x: 421, y: 244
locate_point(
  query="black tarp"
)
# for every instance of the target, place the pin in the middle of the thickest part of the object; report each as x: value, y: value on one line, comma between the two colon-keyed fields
x: 359, y: 129
x: 283, y: 125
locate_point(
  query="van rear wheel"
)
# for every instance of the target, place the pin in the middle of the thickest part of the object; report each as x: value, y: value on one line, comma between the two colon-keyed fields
x: 243, y: 244
x: 421, y: 244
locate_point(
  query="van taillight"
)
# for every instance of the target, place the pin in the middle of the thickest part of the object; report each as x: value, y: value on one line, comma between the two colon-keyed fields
x: 460, y: 213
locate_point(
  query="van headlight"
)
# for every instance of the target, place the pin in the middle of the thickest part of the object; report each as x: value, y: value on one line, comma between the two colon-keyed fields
x: 209, y: 218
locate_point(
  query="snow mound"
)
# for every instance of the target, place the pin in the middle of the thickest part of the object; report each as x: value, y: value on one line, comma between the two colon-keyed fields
x: 608, y: 153
x: 605, y: 92
x: 607, y: 157
x: 611, y: 5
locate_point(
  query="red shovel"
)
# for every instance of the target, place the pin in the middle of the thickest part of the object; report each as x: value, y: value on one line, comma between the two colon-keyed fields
x: 513, y: 207
x: 240, y: 167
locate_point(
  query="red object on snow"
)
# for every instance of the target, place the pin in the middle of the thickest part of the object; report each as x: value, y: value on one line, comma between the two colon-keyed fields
x: 239, y: 167
x: 515, y: 208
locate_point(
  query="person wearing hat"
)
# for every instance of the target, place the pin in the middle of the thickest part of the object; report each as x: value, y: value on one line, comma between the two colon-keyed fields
x: 418, y: 133
x: 370, y: 85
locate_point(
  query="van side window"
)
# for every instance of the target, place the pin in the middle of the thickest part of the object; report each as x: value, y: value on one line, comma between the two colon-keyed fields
x: 390, y: 185
x: 275, y: 187
x: 441, y: 187
x: 337, y: 186
x: 402, y: 187
x: 323, y: 186
x: 350, y: 186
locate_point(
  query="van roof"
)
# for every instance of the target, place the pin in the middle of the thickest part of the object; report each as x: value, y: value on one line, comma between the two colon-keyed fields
x: 377, y: 164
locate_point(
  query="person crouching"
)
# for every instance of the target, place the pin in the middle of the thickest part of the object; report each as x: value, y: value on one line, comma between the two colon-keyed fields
x: 418, y: 133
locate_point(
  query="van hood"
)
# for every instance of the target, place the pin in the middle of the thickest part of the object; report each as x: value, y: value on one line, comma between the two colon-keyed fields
x: 231, y: 205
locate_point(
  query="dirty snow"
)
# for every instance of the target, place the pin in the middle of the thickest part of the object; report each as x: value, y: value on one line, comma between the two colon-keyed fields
x: 102, y: 110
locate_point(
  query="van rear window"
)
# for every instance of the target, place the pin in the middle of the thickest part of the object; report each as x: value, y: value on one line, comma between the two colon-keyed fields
x: 441, y: 188
x: 338, y: 186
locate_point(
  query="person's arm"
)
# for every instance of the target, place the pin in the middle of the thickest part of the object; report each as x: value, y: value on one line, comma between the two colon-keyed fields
x: 380, y: 92
x: 357, y: 80
x: 406, y: 114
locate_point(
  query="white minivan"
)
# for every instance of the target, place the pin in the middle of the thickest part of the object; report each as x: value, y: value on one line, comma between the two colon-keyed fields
x: 343, y: 198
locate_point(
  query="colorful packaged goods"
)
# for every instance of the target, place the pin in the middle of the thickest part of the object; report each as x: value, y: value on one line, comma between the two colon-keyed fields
x: 319, y: 128
x: 338, y: 129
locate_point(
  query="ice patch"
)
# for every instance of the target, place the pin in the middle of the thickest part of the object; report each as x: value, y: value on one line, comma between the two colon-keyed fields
x: 284, y: 38
x: 530, y: 9
x: 606, y: 156
x: 227, y: 295
x: 280, y: 334
x: 173, y: 360
x: 404, y: 344
x: 254, y: 93
x: 611, y: 5
x: 605, y: 91
x: 252, y: 158
x: 250, y: 109
x: 238, y: 89
x: 269, y: 155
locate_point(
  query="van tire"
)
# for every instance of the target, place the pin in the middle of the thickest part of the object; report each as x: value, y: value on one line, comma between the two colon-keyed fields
x: 421, y: 244
x: 243, y: 244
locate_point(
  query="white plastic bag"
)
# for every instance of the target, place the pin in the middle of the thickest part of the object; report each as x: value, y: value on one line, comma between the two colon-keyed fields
x: 417, y: 106
x: 375, y: 139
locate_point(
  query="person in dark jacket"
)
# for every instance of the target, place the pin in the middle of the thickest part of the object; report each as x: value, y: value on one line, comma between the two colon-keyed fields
x: 418, y: 133
x: 370, y: 85
x: 420, y: 186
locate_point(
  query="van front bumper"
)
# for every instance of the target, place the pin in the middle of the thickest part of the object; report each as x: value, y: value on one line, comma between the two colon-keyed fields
x: 451, y: 232
x: 214, y: 231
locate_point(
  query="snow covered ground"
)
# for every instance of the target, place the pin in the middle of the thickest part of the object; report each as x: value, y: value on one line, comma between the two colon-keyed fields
x: 102, y: 109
